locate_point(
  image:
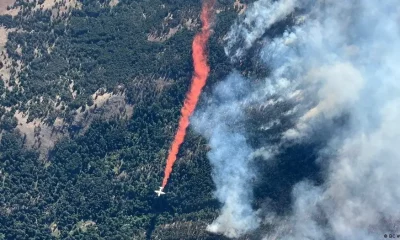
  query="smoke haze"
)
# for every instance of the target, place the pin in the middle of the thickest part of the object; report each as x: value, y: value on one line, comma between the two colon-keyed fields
x: 339, y: 59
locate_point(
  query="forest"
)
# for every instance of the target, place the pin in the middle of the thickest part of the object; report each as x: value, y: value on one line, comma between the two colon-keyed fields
x: 88, y: 109
x: 97, y: 181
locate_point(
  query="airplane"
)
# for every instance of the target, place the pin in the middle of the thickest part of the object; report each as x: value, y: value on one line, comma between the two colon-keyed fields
x: 159, y: 192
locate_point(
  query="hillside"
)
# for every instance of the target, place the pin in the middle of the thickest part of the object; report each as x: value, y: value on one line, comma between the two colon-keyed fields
x: 90, y: 97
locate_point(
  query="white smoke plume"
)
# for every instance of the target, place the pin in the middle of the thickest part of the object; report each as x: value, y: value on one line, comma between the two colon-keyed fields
x: 229, y: 157
x: 340, y: 58
x: 261, y: 15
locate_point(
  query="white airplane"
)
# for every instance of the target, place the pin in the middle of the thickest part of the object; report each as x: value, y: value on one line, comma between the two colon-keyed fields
x: 159, y: 192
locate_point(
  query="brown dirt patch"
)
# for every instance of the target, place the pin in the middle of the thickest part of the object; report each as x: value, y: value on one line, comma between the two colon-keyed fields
x: 39, y: 135
x: 6, y: 62
x: 154, y: 38
x: 3, y: 8
x: 3, y: 37
x: 64, y: 6
x: 105, y: 106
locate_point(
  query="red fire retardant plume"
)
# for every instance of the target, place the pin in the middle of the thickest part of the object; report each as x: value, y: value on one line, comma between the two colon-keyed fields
x: 201, y: 71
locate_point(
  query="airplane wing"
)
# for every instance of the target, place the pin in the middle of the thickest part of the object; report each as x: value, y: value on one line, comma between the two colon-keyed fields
x: 159, y: 192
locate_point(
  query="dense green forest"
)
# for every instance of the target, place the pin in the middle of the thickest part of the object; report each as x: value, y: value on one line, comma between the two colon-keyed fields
x: 97, y: 182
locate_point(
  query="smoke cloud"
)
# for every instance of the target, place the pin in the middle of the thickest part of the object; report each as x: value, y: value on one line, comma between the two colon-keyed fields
x: 222, y: 123
x: 339, y: 58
